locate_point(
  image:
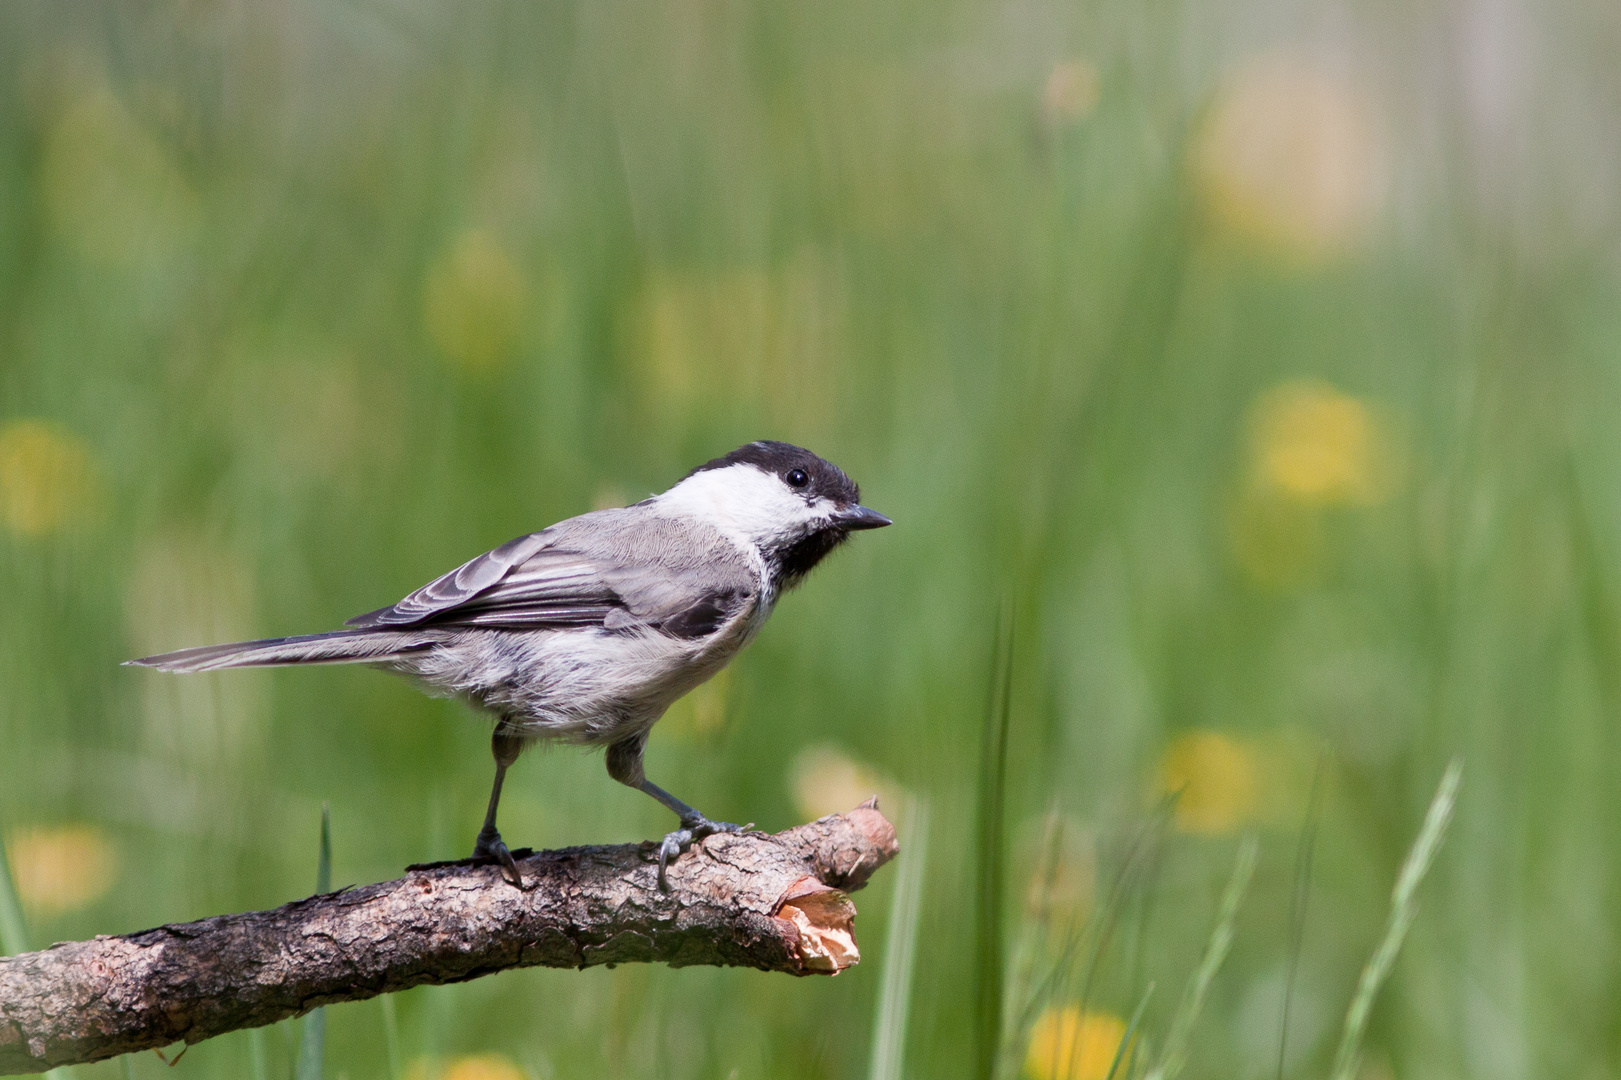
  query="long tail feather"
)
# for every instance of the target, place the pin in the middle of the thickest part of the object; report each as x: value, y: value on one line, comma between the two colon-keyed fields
x: 337, y: 647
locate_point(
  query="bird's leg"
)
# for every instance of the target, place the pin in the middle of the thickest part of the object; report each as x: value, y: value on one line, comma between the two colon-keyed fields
x: 694, y: 826
x: 625, y: 765
x: 505, y: 744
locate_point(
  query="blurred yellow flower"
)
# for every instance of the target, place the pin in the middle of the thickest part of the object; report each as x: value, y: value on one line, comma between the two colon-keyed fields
x: 1215, y: 779
x: 47, y: 477
x: 828, y: 781
x: 482, y: 1067
x: 1067, y: 1044
x: 110, y: 187
x: 473, y: 304
x: 1290, y: 157
x: 1316, y: 445
x: 1071, y: 93
x: 63, y: 868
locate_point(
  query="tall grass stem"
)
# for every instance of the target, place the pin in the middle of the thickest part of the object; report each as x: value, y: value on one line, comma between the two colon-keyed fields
x: 990, y: 858
x: 1124, y: 1048
x: 312, y: 1044
x: 895, y: 990
x: 1298, y: 902
x: 1175, y: 1053
x: 391, y: 1035
x: 258, y: 1054
x: 13, y: 930
x: 1403, y: 909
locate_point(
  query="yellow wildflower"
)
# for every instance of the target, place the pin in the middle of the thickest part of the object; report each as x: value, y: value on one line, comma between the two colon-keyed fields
x: 47, y: 477
x: 1316, y: 445
x: 828, y: 781
x: 482, y: 1067
x: 63, y: 868
x: 1290, y: 158
x: 1215, y: 779
x: 1071, y: 93
x: 1067, y: 1044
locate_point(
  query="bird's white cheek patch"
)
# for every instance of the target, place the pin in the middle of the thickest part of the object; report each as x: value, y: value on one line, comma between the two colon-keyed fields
x: 743, y: 502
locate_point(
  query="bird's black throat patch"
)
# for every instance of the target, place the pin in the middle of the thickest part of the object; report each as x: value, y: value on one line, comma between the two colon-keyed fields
x: 791, y: 564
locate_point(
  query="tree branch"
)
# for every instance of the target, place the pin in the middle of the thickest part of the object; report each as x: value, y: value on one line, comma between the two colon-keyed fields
x: 776, y: 903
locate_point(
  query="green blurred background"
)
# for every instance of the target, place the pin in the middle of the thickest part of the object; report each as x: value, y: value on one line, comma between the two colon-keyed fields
x: 1262, y: 358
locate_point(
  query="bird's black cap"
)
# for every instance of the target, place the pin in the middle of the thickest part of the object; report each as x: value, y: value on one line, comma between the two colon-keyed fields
x: 827, y: 480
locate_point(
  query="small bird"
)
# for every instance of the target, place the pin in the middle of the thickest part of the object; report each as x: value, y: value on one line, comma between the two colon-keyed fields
x: 586, y: 632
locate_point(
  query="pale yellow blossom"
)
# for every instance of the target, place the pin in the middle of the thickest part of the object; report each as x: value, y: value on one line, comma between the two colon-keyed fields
x: 1290, y: 158
x: 1315, y: 444
x: 767, y: 339
x: 62, y: 868
x: 828, y: 781
x: 482, y: 1067
x: 184, y: 587
x: 1071, y: 93
x: 47, y: 477
x: 1216, y: 781
x: 1068, y: 1044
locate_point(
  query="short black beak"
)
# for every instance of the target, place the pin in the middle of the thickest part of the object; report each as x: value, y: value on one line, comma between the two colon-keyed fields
x: 859, y: 517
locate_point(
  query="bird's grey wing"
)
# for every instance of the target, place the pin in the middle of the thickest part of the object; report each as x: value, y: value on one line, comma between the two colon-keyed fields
x: 689, y: 603
x: 612, y: 569
x: 458, y: 587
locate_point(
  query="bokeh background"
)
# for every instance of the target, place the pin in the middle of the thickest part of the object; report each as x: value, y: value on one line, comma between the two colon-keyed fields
x: 1264, y: 360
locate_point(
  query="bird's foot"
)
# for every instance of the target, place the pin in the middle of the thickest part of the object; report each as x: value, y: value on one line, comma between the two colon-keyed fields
x: 492, y: 848
x: 489, y: 851
x: 692, y: 829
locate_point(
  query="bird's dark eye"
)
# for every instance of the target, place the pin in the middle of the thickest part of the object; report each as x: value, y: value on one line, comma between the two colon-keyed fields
x: 797, y: 478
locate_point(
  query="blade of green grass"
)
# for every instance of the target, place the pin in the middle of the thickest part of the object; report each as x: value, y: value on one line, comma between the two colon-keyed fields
x: 312, y: 1045
x: 1403, y: 909
x: 258, y: 1054
x: 895, y: 991
x: 323, y: 867
x: 1297, y: 914
x: 391, y: 1035
x: 990, y: 858
x: 13, y: 930
x: 1175, y: 1053
x: 1131, y: 1033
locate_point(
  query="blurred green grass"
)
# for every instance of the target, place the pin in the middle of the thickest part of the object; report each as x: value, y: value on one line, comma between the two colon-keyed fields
x: 1268, y: 369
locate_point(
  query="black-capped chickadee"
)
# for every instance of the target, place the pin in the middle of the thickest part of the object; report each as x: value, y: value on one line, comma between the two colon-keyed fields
x: 588, y: 631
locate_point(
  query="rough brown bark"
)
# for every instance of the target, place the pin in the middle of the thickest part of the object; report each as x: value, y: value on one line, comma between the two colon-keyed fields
x: 771, y: 902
